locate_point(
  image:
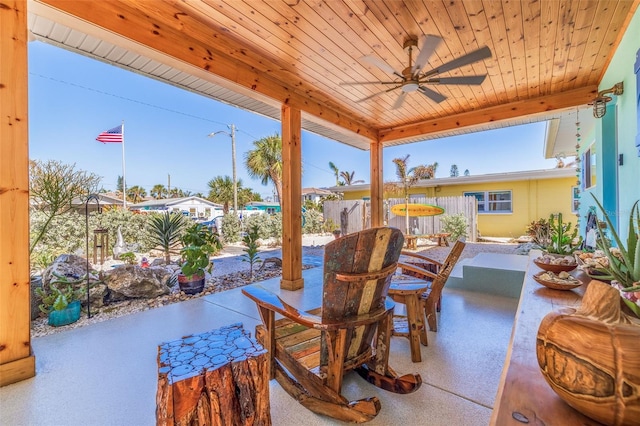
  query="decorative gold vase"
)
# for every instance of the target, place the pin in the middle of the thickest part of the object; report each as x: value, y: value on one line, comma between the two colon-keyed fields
x: 591, y: 357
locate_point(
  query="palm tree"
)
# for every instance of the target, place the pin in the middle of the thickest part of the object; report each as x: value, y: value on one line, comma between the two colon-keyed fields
x: 136, y: 193
x: 246, y: 195
x: 264, y: 162
x: 348, y: 178
x: 336, y: 172
x: 158, y: 191
x: 221, y: 191
x: 407, y: 178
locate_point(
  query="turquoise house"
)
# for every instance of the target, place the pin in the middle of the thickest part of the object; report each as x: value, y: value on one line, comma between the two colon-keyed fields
x: 610, y: 152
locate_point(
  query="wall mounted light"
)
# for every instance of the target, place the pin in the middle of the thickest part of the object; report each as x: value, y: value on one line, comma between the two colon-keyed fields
x: 600, y: 103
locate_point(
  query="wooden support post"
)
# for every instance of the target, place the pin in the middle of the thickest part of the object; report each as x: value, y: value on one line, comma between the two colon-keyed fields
x: 216, y: 378
x: 377, y: 185
x: 16, y: 361
x: 291, y: 200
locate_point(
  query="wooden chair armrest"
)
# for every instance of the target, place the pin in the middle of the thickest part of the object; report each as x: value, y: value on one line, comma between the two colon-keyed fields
x: 271, y: 301
x: 421, y: 257
x: 417, y: 270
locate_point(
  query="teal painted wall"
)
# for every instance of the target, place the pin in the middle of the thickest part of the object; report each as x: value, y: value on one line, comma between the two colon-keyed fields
x: 621, y: 68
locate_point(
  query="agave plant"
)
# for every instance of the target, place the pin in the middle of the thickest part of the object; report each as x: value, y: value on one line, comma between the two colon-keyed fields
x: 165, y: 230
x: 624, y: 262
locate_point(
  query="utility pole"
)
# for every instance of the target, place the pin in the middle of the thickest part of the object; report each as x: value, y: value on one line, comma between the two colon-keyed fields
x: 232, y: 127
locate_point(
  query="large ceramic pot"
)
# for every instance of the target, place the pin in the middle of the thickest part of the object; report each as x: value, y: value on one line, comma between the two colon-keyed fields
x: 191, y: 285
x: 591, y: 357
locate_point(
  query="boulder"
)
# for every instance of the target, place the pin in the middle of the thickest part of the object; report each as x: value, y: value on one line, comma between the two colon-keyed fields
x: 134, y: 282
x: 66, y: 265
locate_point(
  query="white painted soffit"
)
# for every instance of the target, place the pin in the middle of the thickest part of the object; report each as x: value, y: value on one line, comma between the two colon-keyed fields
x: 560, y: 138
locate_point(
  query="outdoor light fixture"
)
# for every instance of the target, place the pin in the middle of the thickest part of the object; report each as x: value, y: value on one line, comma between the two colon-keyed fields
x: 600, y: 103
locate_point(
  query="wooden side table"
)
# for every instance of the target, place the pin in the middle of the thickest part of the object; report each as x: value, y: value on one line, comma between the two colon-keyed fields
x: 215, y: 378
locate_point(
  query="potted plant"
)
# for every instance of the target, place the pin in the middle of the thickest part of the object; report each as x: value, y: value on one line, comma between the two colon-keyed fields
x: 562, y: 240
x: 624, y: 262
x: 199, y: 244
x: 61, y: 302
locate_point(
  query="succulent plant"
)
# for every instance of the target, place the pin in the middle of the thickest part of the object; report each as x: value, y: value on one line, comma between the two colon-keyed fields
x: 624, y: 261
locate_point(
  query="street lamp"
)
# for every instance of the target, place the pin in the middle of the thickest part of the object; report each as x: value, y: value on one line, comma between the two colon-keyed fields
x: 233, y: 161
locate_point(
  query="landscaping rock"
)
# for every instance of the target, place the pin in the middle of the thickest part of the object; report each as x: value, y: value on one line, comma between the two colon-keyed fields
x: 67, y: 265
x: 133, y: 282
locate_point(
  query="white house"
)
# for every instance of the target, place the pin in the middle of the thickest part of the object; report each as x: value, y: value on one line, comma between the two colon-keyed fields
x: 194, y: 207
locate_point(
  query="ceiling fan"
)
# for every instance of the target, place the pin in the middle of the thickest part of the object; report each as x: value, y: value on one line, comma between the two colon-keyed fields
x: 413, y: 79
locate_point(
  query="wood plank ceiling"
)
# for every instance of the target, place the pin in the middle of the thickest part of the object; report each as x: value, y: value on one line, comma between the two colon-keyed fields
x: 546, y: 54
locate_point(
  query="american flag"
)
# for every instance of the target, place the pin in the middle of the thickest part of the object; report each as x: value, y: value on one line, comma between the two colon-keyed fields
x: 112, y: 135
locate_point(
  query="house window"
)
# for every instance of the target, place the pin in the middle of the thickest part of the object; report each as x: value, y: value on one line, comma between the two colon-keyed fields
x: 492, y: 201
x: 575, y: 199
x: 589, y: 167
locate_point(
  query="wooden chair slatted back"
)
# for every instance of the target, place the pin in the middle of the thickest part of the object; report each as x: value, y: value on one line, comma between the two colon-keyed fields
x: 346, y: 290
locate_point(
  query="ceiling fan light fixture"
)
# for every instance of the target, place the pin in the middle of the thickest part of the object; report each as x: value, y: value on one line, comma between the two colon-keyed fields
x: 410, y: 86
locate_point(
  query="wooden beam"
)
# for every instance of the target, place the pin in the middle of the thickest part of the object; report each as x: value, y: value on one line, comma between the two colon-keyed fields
x: 469, y: 120
x: 291, y: 199
x: 377, y: 190
x: 16, y: 360
x: 163, y: 27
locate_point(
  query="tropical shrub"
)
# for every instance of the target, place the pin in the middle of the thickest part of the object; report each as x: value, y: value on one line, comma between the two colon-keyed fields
x: 456, y: 225
x: 313, y: 223
x: 260, y: 222
x: 540, y: 232
x: 231, y: 228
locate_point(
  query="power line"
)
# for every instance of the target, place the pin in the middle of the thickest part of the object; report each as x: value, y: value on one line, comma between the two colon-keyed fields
x: 102, y: 92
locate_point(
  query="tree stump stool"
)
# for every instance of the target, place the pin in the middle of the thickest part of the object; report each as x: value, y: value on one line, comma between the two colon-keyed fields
x: 214, y: 378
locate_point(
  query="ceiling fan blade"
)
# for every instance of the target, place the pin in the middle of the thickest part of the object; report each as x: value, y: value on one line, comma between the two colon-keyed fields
x: 378, y: 94
x: 467, y: 79
x: 374, y: 60
x: 469, y: 58
x: 429, y: 45
x: 434, y: 96
x: 398, y: 103
x: 357, y: 83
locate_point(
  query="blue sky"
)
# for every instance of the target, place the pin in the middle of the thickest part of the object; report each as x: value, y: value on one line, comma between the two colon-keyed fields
x: 73, y: 98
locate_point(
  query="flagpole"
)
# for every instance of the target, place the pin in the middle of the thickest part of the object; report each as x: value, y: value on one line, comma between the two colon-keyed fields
x: 124, y: 179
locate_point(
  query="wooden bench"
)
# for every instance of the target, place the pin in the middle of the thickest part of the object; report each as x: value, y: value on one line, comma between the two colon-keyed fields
x: 216, y: 378
x: 412, y: 240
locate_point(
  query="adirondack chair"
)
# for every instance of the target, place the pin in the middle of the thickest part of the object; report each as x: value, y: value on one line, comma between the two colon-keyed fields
x: 311, y: 351
x: 419, y: 267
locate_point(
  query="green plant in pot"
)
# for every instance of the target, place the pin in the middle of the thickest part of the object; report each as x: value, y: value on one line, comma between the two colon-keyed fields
x: 198, y: 245
x: 624, y: 261
x: 61, y: 301
x: 562, y: 239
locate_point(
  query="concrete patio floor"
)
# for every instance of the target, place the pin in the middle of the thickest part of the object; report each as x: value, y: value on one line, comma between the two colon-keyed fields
x: 105, y: 374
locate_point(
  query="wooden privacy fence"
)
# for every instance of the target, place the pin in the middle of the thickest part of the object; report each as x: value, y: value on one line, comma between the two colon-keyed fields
x: 358, y: 214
